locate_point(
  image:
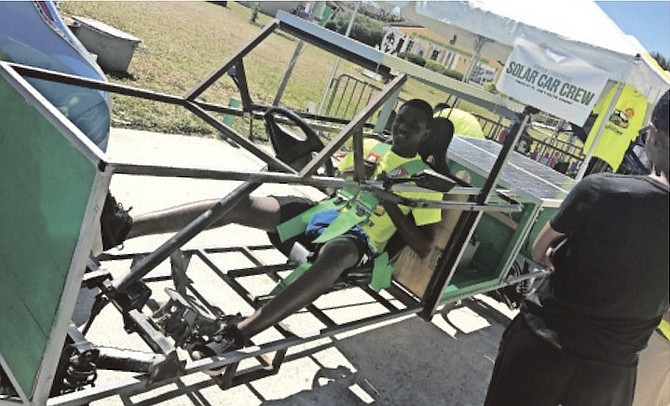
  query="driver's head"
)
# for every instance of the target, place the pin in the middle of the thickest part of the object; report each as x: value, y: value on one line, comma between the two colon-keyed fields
x: 411, y: 126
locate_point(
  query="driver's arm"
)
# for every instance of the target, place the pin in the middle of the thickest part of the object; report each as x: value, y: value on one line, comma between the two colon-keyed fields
x: 415, y: 237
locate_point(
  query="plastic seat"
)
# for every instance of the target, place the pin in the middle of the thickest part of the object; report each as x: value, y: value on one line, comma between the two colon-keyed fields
x: 433, y: 150
x: 291, y: 149
x: 297, y: 152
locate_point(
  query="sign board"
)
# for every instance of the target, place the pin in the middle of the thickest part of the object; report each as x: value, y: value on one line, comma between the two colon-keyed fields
x: 561, y: 85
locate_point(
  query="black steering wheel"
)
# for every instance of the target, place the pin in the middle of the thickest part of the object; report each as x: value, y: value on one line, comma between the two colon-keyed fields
x: 293, y: 149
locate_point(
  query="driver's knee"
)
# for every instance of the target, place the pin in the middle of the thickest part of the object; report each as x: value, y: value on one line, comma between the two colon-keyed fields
x: 262, y: 212
x: 343, y: 251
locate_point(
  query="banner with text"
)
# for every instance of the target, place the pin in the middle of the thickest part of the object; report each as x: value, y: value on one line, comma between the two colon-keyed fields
x: 560, y: 85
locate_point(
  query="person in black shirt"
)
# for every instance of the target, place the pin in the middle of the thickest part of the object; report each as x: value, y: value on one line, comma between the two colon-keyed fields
x: 576, y: 339
x: 525, y: 141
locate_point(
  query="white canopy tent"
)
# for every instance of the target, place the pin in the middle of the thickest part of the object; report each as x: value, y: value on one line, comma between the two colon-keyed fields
x: 574, y: 27
x: 579, y: 28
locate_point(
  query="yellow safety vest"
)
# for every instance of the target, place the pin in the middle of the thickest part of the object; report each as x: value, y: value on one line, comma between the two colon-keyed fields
x: 664, y: 329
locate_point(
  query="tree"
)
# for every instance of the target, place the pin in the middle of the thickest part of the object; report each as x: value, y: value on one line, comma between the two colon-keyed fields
x: 453, y: 74
x: 662, y: 61
x: 490, y: 87
x: 434, y: 66
x: 365, y: 30
x: 415, y: 59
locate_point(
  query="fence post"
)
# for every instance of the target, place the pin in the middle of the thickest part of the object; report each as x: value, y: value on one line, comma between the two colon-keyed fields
x: 229, y: 119
x: 337, y: 60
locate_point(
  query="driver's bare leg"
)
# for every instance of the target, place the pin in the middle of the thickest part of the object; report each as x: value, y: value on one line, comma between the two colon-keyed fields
x: 334, y: 258
x: 260, y: 212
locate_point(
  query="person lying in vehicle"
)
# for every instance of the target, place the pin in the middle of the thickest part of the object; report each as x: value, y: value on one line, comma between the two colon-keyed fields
x: 346, y: 231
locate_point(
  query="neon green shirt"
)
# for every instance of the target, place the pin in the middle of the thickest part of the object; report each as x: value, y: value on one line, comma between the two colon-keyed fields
x: 621, y: 127
x: 465, y: 124
x: 380, y: 227
x: 664, y: 328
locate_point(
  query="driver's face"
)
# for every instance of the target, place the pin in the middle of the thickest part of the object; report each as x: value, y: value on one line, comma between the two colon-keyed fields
x: 408, y: 129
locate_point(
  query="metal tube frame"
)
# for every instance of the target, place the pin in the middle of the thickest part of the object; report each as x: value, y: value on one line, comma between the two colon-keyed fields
x: 448, y: 261
x: 425, y: 307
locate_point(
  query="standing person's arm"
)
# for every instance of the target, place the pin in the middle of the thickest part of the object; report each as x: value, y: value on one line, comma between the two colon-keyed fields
x: 569, y: 218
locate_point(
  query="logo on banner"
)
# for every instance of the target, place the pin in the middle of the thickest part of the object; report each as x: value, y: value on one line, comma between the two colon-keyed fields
x: 561, y: 85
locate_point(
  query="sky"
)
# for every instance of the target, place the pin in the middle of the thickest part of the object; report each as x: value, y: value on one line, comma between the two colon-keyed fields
x: 648, y: 21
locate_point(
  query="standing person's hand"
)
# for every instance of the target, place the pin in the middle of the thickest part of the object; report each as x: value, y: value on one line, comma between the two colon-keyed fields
x: 546, y: 261
x: 545, y: 245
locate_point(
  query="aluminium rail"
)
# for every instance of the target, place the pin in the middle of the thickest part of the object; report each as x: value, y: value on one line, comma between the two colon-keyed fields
x: 277, y: 171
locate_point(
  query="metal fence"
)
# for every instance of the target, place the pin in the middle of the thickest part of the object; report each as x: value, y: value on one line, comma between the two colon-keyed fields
x: 562, y: 156
x: 490, y: 127
x: 349, y: 94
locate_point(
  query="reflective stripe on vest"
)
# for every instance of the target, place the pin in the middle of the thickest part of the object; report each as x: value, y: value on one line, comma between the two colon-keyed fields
x: 358, y: 205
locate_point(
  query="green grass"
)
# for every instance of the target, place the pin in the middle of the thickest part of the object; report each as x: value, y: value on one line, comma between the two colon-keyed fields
x: 182, y: 42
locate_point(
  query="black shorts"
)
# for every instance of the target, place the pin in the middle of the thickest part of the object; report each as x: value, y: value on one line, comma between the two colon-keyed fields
x: 530, y: 371
x: 289, y: 207
x: 292, y: 206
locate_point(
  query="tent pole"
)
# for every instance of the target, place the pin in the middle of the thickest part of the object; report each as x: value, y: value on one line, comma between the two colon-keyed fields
x: 601, y: 128
x: 479, y: 44
x: 337, y: 60
x: 288, y: 73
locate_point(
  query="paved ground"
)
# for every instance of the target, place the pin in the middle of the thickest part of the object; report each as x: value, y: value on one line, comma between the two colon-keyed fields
x: 447, y: 361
